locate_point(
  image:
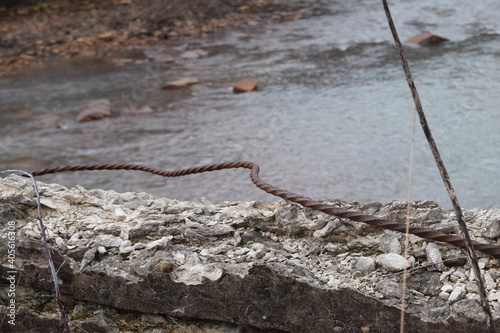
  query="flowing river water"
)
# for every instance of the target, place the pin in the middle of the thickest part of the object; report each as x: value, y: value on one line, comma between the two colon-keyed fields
x: 332, y: 118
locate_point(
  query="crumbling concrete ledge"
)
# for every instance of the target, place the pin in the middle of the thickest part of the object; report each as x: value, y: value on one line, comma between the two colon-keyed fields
x: 131, y: 262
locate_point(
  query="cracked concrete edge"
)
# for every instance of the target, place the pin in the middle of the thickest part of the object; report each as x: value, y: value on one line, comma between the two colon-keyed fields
x: 266, y: 294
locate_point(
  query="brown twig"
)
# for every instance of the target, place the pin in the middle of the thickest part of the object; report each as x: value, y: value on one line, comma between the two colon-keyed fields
x: 442, y: 170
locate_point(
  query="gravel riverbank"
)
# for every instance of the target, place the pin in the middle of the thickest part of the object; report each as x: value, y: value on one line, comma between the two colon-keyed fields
x: 31, y: 34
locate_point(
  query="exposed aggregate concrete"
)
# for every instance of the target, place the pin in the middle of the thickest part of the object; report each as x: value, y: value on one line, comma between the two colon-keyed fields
x: 246, y: 266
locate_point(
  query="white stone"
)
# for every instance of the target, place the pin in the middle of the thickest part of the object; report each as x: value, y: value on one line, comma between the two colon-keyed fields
x: 392, y: 262
x: 496, y: 306
x: 241, y: 251
x: 237, y: 238
x: 490, y: 283
x: 447, y: 288
x: 257, y: 252
x: 193, y: 275
x: 120, y: 214
x: 434, y: 257
x: 159, y: 243
x: 48, y: 203
x: 457, y: 276
x: 491, y: 229
x: 125, y: 244
x: 327, y: 229
x: 472, y: 287
x: 330, y: 247
x: 108, y: 241
x: 87, y: 258
x: 60, y: 243
x: 126, y: 249
x: 472, y: 296
x: 444, y: 295
x: 495, y: 296
x: 220, y: 249
x: 446, y: 274
x: 139, y: 246
x: 458, y: 293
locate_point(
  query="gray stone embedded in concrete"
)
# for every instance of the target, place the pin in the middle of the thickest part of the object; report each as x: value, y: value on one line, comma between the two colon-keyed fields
x: 389, y: 243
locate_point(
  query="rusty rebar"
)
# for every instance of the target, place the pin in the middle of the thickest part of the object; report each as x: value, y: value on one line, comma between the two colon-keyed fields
x: 305, y: 201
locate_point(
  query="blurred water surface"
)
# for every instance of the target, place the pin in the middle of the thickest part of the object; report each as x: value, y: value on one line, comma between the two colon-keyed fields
x: 332, y: 118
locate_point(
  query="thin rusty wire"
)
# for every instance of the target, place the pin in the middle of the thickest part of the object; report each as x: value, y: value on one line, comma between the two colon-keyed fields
x: 305, y: 201
x: 48, y: 252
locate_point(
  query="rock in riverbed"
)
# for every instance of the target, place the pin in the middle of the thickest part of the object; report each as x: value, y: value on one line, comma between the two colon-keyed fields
x: 244, y: 86
x: 194, y: 54
x: 181, y: 83
x: 426, y: 38
x: 97, y: 109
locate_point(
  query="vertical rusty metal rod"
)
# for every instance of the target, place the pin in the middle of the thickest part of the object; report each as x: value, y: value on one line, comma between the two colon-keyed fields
x: 442, y: 169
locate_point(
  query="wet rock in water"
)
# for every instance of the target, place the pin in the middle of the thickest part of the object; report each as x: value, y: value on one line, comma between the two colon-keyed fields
x: 181, y: 83
x: 133, y: 110
x: 286, y: 17
x: 128, y: 110
x: 145, y: 109
x: 244, y: 86
x: 159, y: 56
x: 194, y: 54
x: 426, y: 38
x: 118, y: 61
x: 164, y: 59
x: 134, y: 260
x: 97, y: 109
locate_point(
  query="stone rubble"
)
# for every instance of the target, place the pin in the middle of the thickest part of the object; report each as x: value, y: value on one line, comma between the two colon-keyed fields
x: 266, y: 266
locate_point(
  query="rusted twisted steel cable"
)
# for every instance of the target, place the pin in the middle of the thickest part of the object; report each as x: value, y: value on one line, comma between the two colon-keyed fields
x: 297, y: 198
